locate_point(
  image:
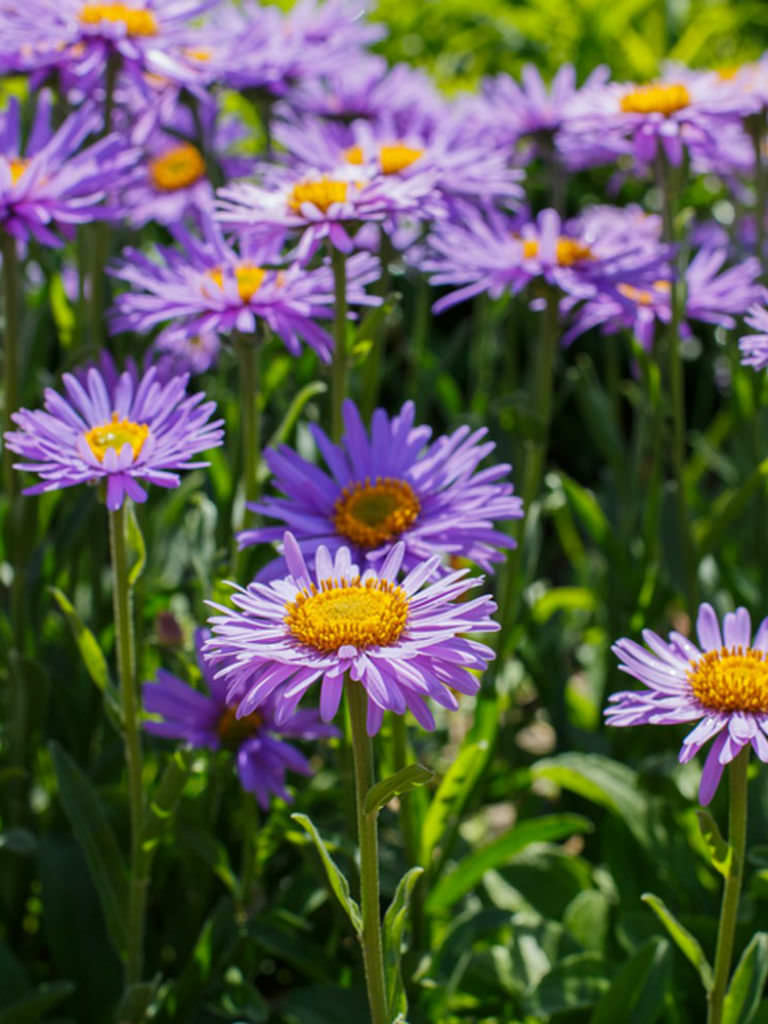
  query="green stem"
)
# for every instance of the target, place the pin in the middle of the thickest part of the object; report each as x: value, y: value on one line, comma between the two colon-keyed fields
x: 511, y: 585
x: 418, y: 348
x: 373, y: 364
x: 126, y: 666
x: 339, y: 367
x: 248, y: 350
x: 11, y: 313
x: 100, y: 230
x: 737, y: 838
x: 373, y: 956
x: 756, y: 128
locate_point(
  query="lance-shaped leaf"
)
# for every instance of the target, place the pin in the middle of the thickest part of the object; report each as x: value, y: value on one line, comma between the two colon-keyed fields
x: 94, y: 834
x: 637, y: 993
x: 720, y: 852
x: 401, y: 782
x: 31, y: 1007
x: 451, y: 795
x: 136, y: 1001
x: 395, y: 921
x: 134, y: 539
x: 336, y: 878
x: 744, y: 993
x: 165, y: 799
x: 686, y: 943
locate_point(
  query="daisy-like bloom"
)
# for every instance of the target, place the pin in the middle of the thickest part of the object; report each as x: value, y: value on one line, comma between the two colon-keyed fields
x: 684, y: 109
x: 494, y: 253
x: 261, y: 754
x: 78, y: 37
x: 322, y: 203
x: 712, y: 295
x: 722, y: 684
x: 50, y: 184
x: 168, y: 184
x: 124, y: 431
x: 392, y: 486
x: 401, y: 641
x: 754, y: 347
x: 207, y: 285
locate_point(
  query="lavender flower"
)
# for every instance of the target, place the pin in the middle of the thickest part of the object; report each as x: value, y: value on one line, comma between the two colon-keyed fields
x: 208, y: 286
x: 392, y: 486
x: 120, y: 431
x: 51, y: 184
x: 754, y: 347
x: 258, y: 744
x: 399, y: 641
x: 722, y: 684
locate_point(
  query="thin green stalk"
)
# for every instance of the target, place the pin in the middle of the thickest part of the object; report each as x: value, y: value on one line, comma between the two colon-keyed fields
x: 373, y: 955
x: 339, y: 366
x: 100, y: 230
x: 512, y: 583
x: 11, y: 350
x: 756, y: 128
x: 374, y: 362
x: 418, y: 348
x: 248, y: 350
x: 126, y: 667
x: 737, y: 838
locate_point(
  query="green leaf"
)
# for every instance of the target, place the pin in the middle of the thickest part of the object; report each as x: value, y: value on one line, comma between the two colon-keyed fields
x: 136, y: 1001
x: 575, y: 981
x: 19, y: 841
x: 401, y: 782
x: 566, y: 599
x: 91, y: 653
x: 605, y: 782
x: 395, y: 921
x: 165, y: 799
x: 61, y: 308
x: 686, y: 943
x: 134, y: 539
x: 470, y: 869
x: 637, y: 993
x: 337, y: 880
x: 743, y: 997
x: 92, y: 831
x: 586, y: 509
x: 447, y: 803
x: 30, y: 1008
x: 720, y: 852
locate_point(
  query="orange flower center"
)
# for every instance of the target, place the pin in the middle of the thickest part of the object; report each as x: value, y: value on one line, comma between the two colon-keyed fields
x: 656, y: 98
x: 567, y: 251
x: 249, y: 279
x: 320, y: 193
x: 233, y: 730
x: 642, y: 296
x: 116, y: 434
x: 370, y: 614
x: 17, y: 167
x: 179, y: 168
x: 392, y: 158
x: 372, y: 514
x: 195, y: 53
x: 731, y: 679
x: 137, y: 20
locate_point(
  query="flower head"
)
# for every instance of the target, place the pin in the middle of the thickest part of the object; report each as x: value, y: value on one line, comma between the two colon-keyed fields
x: 722, y: 685
x: 125, y: 431
x: 257, y: 743
x: 390, y: 486
x: 754, y: 347
x: 50, y: 184
x: 209, y: 285
x: 401, y: 641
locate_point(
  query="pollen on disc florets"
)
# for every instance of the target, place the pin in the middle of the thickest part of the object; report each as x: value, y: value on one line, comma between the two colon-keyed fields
x: 370, y: 514
x: 179, y: 168
x: 115, y: 434
x: 657, y: 98
x: 138, y: 21
x: 340, y: 613
x: 248, y: 276
x: 731, y: 679
x: 567, y: 250
x: 322, y: 194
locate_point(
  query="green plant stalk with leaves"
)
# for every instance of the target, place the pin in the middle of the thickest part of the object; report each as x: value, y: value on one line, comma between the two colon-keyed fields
x: 340, y: 363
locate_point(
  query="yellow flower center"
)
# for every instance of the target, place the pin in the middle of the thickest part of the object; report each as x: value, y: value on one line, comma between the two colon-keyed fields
x: 397, y: 157
x: 372, y: 514
x: 642, y: 296
x: 321, y: 193
x: 731, y: 679
x: 115, y: 434
x: 370, y: 614
x: 354, y: 155
x: 195, y: 53
x: 179, y: 168
x: 656, y: 98
x: 137, y: 20
x: 567, y: 251
x: 17, y: 167
x: 233, y: 730
x: 249, y: 279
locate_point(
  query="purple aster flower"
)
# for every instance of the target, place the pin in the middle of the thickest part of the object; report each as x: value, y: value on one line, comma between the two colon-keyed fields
x: 722, y: 684
x: 495, y: 253
x: 123, y: 431
x: 399, y: 641
x: 257, y: 742
x: 754, y: 347
x: 682, y: 110
x: 392, y: 486
x: 712, y: 295
x: 51, y: 183
x: 321, y: 203
x: 77, y: 37
x: 207, y: 285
